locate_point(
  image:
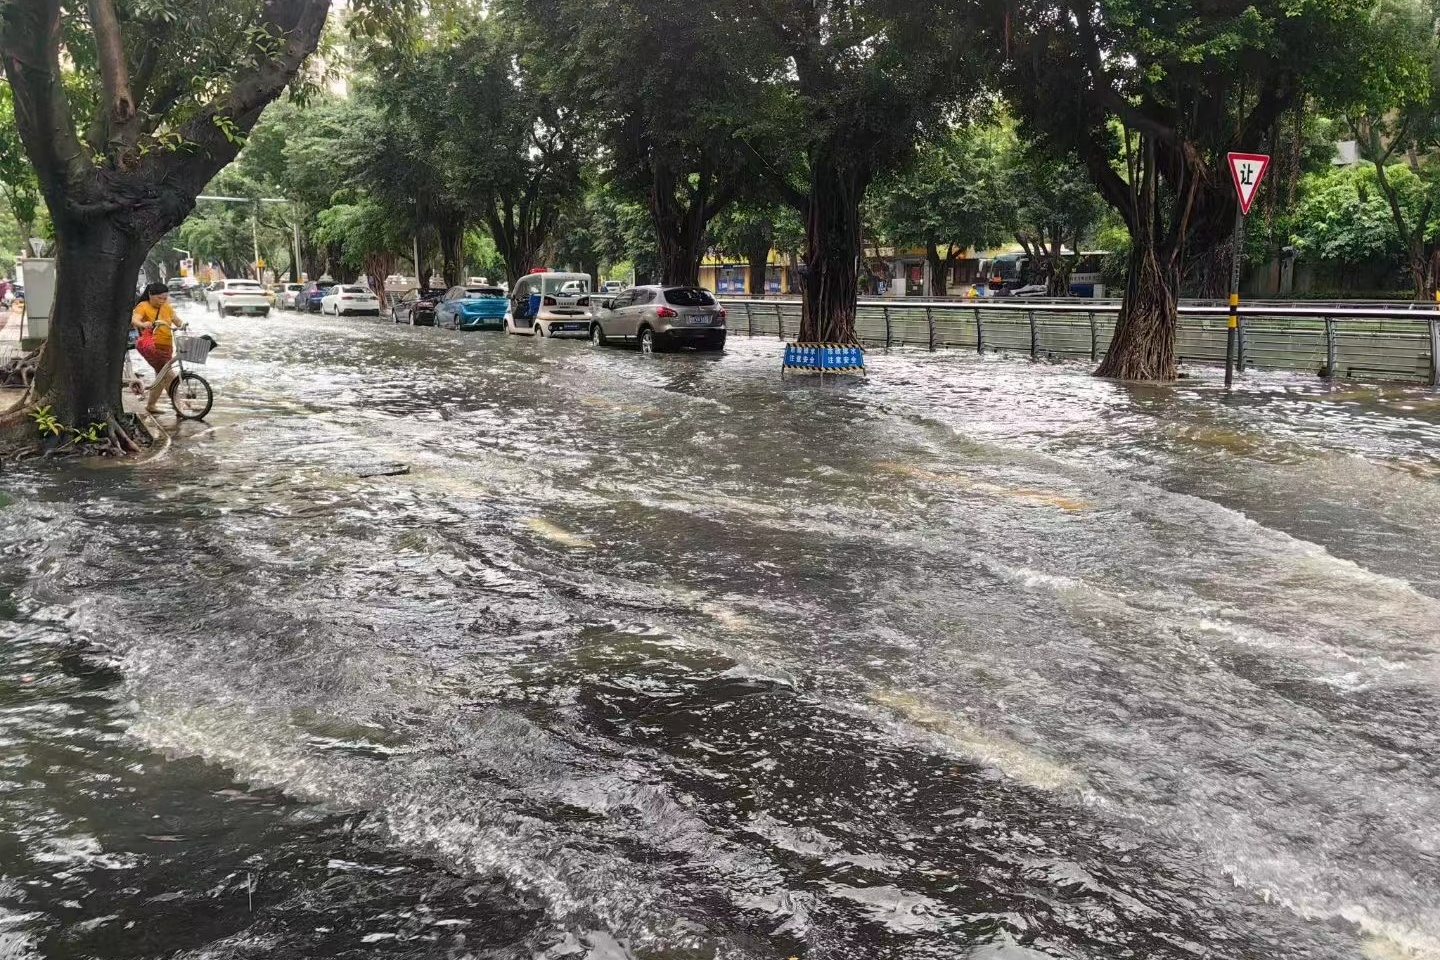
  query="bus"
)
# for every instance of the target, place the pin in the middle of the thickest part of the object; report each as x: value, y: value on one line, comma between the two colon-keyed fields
x: 1088, y: 277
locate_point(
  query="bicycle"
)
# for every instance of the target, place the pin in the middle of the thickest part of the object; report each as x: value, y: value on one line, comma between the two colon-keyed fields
x: 190, y: 393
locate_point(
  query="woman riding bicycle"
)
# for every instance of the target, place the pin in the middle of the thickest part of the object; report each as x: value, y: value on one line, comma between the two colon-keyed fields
x: 157, y: 323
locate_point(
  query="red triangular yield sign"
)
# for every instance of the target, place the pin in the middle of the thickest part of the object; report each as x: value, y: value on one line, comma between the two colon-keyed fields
x: 1247, y: 170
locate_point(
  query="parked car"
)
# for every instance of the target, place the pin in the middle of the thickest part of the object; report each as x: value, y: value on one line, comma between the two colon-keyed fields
x: 550, y: 305
x: 247, y: 297
x: 313, y: 296
x: 348, y: 299
x: 472, y: 308
x: 177, y: 287
x: 658, y: 318
x: 611, y: 287
x: 290, y: 296
x: 416, y: 307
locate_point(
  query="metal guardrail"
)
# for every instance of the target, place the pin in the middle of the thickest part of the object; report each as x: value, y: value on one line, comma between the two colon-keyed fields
x: 1350, y: 341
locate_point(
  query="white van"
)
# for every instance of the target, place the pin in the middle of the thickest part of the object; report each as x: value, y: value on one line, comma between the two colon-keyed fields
x: 550, y: 305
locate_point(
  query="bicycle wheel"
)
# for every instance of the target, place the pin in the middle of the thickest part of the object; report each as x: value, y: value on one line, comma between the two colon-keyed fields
x: 191, y: 396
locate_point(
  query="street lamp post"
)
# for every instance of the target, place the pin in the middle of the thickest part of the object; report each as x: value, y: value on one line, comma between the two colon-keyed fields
x: 255, y: 228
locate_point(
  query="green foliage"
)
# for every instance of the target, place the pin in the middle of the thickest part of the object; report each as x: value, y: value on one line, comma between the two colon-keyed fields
x: 1393, y: 115
x: 1054, y: 199
x: 18, y: 186
x: 482, y: 257
x: 956, y: 190
x: 46, y: 422
x: 362, y: 229
x: 1151, y: 94
x: 858, y: 83
x: 92, y: 434
x: 50, y: 428
x: 1343, y: 214
x: 663, y: 107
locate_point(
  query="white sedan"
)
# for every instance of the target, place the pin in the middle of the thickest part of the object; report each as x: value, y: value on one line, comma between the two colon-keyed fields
x: 342, y: 301
x: 238, y: 296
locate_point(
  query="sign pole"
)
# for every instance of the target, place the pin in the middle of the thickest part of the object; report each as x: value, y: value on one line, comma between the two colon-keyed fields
x: 1232, y: 333
x: 1247, y: 170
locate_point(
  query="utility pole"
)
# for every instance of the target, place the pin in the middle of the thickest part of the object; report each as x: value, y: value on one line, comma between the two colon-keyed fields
x: 255, y: 224
x: 255, y: 240
x: 295, y: 228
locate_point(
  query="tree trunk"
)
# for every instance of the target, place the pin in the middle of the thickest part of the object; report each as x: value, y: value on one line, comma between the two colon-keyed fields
x: 758, y: 258
x: 452, y: 251
x: 679, y: 236
x: 1423, y: 262
x: 1210, y: 246
x: 832, y: 250
x: 679, y: 263
x: 939, y: 271
x: 517, y: 263
x: 1144, y: 344
x: 96, y: 267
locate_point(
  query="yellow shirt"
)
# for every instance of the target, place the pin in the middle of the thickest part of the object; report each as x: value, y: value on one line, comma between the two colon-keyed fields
x: 164, y: 320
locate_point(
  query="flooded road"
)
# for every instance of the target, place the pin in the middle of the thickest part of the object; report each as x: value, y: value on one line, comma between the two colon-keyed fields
x: 457, y: 645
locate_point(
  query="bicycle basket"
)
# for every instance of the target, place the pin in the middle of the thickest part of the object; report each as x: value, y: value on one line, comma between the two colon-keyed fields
x: 192, y: 349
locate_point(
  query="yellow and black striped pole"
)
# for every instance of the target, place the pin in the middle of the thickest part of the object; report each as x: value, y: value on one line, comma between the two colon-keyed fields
x: 1232, y: 333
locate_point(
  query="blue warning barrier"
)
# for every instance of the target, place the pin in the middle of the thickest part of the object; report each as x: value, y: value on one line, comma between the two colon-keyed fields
x: 824, y: 358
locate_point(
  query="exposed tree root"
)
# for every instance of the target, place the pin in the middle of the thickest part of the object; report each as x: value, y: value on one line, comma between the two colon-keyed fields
x: 120, y: 435
x: 1144, y: 344
x: 20, y: 371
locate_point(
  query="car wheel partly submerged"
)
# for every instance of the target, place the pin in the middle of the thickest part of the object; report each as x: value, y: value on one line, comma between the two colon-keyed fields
x: 597, y: 335
x: 647, y: 340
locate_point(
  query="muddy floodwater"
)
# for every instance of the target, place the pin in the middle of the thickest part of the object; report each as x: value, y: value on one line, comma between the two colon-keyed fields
x: 462, y: 645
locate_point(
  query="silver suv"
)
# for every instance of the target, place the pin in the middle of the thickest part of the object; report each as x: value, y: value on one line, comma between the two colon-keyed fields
x: 658, y: 318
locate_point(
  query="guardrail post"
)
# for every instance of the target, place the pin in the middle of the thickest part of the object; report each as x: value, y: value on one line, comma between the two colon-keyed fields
x: 930, y: 321
x: 1435, y: 351
x: 887, y: 327
x: 1034, y: 337
x: 779, y: 320
x: 1330, y: 348
x: 1094, y: 338
x: 979, y: 333
x: 749, y: 321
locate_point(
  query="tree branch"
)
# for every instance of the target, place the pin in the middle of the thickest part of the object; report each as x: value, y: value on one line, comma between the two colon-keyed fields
x: 30, y: 46
x: 119, y: 105
x: 787, y: 191
x: 1104, y: 91
x: 213, y: 135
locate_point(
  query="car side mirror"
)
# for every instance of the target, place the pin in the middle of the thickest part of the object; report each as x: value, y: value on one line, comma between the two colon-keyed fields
x: 608, y: 304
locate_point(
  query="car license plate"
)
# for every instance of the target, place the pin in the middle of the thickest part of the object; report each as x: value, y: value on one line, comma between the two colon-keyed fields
x: 698, y: 319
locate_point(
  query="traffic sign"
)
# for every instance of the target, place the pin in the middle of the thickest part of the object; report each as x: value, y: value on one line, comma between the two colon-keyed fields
x: 1247, y: 170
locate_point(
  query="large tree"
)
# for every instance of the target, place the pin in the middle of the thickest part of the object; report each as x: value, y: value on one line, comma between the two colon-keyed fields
x: 855, y: 83
x: 1394, y: 120
x: 663, y: 86
x: 954, y: 194
x: 1150, y: 95
x: 126, y: 111
x: 1055, y: 209
x: 508, y: 151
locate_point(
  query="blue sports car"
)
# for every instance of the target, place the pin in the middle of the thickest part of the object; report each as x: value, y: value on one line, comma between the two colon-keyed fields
x: 472, y: 308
